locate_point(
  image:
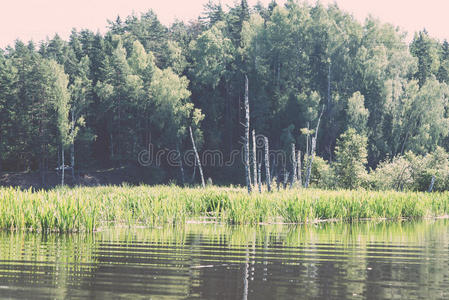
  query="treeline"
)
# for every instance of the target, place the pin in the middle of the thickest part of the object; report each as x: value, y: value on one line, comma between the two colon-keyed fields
x: 99, y: 100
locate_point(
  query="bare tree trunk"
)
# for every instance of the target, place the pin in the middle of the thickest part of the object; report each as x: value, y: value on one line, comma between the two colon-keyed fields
x: 41, y: 169
x: 307, y: 139
x: 180, y: 165
x: 72, y: 159
x: 278, y: 179
x: 72, y: 149
x: 44, y: 166
x: 432, y: 182
x: 329, y: 87
x: 310, y: 162
x: 0, y: 154
x: 267, y: 164
x: 259, y: 177
x: 399, y: 186
x: 299, y: 167
x: 273, y: 168
x: 197, y: 158
x: 59, y: 161
x: 246, y: 138
x: 312, y: 153
x: 63, y: 167
x: 286, y: 176
x: 112, y: 146
x: 294, y: 166
x: 405, y: 141
x: 254, y: 159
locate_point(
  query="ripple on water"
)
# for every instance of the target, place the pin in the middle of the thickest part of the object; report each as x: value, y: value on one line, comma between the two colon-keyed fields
x: 361, y: 260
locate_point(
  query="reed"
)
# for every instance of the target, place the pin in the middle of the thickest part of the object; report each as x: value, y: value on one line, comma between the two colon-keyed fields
x: 89, y: 208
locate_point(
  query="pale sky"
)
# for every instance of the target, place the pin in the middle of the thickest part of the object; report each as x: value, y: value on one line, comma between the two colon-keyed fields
x: 37, y: 19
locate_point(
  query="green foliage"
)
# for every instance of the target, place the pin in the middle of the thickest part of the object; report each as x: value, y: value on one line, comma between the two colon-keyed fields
x: 357, y: 113
x: 350, y: 159
x: 426, y: 50
x: 419, y: 119
x: 60, y: 98
x: 89, y: 209
x: 393, y: 175
x: 172, y: 112
x: 143, y: 82
x: 412, y: 172
x: 211, y: 54
x: 322, y: 175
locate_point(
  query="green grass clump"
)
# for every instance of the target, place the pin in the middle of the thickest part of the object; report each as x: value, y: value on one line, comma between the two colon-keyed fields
x: 87, y: 208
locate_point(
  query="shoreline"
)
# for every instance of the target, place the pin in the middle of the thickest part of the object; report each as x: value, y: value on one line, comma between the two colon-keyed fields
x: 89, y: 208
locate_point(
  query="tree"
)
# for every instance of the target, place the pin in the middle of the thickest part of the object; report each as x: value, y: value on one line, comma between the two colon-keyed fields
x: 59, y: 97
x: 213, y: 13
x: 210, y: 74
x: 421, y: 120
x: 357, y: 113
x: 173, y: 112
x: 426, y: 50
x: 81, y: 94
x: 8, y: 102
x: 350, y: 159
x: 443, y: 71
x: 121, y: 94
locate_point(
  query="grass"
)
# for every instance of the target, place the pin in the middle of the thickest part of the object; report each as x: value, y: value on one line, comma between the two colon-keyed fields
x: 87, y: 209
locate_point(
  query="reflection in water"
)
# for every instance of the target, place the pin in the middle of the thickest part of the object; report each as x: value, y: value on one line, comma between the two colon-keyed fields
x: 210, y: 261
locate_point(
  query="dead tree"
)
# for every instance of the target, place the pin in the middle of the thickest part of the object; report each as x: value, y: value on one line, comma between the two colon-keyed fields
x: 299, y: 167
x: 432, y: 182
x: 294, y: 166
x: 278, y: 180
x: 307, y: 139
x: 254, y: 159
x: 63, y: 167
x: 72, y: 147
x: 197, y: 157
x: 246, y: 138
x: 259, y: 177
x: 312, y: 152
x: 285, y: 175
x: 267, y: 164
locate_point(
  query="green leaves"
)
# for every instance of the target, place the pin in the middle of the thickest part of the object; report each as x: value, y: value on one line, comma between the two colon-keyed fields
x: 211, y: 53
x: 58, y: 95
x: 357, y: 113
x: 351, y: 157
x: 172, y: 112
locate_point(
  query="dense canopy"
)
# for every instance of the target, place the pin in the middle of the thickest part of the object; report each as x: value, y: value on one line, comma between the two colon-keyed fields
x: 105, y: 98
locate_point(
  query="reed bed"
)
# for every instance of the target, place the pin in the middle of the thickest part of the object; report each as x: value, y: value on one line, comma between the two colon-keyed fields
x: 89, y: 208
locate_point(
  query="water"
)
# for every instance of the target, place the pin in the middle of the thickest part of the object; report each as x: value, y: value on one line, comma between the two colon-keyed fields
x: 383, y: 260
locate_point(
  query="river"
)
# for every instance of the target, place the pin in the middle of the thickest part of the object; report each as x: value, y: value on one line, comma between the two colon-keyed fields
x: 365, y: 260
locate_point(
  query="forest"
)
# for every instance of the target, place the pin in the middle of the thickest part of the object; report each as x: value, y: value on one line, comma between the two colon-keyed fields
x: 97, y: 100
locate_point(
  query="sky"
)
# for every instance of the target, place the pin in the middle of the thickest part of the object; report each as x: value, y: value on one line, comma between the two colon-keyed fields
x: 38, y: 19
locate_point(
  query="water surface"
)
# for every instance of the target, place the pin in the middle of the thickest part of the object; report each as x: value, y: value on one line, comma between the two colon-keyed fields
x: 382, y: 260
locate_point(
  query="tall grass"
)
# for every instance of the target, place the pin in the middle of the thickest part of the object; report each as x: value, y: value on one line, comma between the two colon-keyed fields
x: 87, y: 209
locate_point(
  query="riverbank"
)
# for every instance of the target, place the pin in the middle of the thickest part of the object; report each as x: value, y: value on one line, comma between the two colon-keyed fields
x: 90, y: 208
x: 132, y: 175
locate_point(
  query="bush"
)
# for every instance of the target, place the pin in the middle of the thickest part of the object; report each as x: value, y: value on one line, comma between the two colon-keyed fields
x: 351, y: 157
x: 412, y: 172
x: 393, y: 175
x: 322, y: 175
x: 432, y: 164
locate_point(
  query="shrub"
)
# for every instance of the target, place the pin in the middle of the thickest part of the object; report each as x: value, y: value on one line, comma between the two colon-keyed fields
x: 412, y: 172
x: 351, y: 157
